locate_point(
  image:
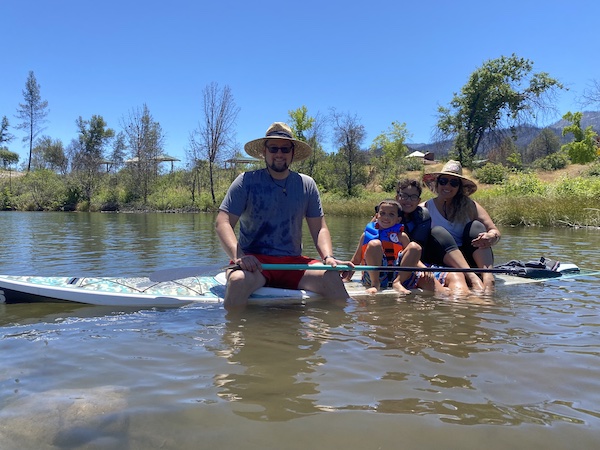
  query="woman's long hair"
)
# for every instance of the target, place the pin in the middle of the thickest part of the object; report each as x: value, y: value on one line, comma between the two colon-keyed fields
x: 463, y: 208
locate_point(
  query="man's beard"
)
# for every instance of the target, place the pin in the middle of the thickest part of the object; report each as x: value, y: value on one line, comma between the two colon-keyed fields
x: 280, y: 169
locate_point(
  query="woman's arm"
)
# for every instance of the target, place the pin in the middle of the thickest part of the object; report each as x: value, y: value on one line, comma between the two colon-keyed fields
x: 492, y: 234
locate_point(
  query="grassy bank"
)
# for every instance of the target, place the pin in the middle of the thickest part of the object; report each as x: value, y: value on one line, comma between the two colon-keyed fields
x: 568, y: 197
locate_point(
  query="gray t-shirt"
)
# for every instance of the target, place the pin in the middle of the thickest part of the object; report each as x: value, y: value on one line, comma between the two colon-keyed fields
x: 271, y: 213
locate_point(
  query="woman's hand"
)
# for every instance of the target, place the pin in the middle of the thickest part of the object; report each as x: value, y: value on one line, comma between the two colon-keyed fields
x: 486, y: 240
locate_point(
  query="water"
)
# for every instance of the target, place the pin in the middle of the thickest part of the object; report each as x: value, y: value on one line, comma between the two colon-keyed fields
x: 416, y: 373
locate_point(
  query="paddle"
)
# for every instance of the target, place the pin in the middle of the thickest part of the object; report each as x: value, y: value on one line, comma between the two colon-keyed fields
x: 195, y: 271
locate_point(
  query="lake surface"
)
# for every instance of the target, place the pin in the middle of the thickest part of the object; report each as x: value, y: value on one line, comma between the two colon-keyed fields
x: 414, y: 373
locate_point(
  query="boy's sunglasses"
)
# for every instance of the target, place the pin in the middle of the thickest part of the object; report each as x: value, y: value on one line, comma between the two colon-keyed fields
x: 442, y: 181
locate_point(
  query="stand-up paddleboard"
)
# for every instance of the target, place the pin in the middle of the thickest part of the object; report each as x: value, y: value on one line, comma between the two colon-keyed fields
x: 202, y: 289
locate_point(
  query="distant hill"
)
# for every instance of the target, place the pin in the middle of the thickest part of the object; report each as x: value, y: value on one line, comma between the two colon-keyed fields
x: 525, y: 135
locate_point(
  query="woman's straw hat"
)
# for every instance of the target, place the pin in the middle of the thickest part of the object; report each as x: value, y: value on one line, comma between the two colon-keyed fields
x: 452, y: 168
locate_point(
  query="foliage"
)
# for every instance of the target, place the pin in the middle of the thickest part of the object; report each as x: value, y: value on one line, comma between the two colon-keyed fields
x: 491, y: 173
x: 514, y: 161
x: 5, y: 136
x: 145, y: 141
x: 300, y: 122
x: 41, y: 190
x: 593, y: 170
x: 579, y: 187
x: 523, y: 185
x: 32, y: 113
x: 393, y: 150
x: 309, y: 129
x: 554, y: 161
x: 544, y: 144
x: 87, y: 153
x: 502, y: 152
x: 503, y: 89
x: 49, y: 154
x: 8, y: 157
x: 583, y: 148
x: 5, y: 199
x: 413, y: 164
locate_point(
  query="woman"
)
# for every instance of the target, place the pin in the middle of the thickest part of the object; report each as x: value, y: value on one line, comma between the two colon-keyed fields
x: 438, y: 246
x: 469, y: 224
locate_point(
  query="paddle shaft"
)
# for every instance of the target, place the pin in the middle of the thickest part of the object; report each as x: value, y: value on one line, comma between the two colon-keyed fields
x: 344, y: 268
x: 195, y: 271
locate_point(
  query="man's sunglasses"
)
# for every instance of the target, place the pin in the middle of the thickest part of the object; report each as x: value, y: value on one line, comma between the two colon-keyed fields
x: 274, y: 150
x: 442, y: 181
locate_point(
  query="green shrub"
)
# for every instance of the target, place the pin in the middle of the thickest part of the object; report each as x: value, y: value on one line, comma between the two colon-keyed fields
x: 414, y: 164
x: 554, y: 161
x: 491, y: 173
x: 576, y: 187
x: 523, y: 185
x: 593, y: 170
x: 5, y: 200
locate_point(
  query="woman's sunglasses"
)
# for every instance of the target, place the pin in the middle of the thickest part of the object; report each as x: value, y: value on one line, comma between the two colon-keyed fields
x: 442, y: 181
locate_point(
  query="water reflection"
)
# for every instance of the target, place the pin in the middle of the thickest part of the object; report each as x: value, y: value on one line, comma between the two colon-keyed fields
x: 274, y: 353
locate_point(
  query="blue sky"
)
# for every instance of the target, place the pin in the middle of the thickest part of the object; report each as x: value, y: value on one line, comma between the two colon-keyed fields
x: 382, y: 60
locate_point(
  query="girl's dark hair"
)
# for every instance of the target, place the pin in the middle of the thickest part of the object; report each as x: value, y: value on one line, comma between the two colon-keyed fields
x: 409, y: 182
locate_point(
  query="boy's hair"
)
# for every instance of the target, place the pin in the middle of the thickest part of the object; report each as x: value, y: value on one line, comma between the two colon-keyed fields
x: 390, y: 203
x: 409, y: 182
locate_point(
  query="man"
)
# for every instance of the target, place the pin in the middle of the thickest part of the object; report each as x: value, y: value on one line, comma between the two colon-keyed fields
x: 270, y: 205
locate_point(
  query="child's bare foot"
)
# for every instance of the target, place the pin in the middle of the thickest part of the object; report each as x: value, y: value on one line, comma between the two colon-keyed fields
x: 489, y: 283
x: 401, y: 289
x: 372, y: 290
x: 475, y: 282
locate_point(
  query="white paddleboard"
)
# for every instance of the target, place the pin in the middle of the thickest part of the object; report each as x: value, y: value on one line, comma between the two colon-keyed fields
x: 143, y: 292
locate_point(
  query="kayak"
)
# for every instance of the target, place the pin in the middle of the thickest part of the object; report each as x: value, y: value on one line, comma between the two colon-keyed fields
x: 144, y: 292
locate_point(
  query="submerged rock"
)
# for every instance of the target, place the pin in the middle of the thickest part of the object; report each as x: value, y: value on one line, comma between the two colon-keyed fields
x: 65, y: 418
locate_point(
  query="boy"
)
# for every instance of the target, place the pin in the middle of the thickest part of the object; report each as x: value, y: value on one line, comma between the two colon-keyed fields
x: 380, y: 244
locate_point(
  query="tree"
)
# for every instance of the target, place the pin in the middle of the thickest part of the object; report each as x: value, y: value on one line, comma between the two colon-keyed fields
x: 5, y: 136
x: 32, y: 113
x: 119, y: 147
x: 7, y: 157
x: 544, y: 144
x: 501, y: 153
x: 145, y: 140
x: 582, y: 149
x: 349, y: 134
x: 392, y: 145
x: 49, y: 154
x: 499, y: 95
x: 591, y: 94
x: 215, y: 132
x: 310, y: 130
x: 88, y: 152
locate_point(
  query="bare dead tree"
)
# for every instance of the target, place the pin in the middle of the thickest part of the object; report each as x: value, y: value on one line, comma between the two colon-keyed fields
x: 349, y: 135
x: 591, y: 94
x: 215, y: 132
x: 145, y: 140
